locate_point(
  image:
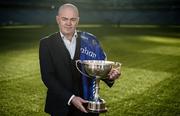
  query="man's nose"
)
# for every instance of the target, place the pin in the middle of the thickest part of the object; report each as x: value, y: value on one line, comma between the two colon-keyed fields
x: 68, y: 22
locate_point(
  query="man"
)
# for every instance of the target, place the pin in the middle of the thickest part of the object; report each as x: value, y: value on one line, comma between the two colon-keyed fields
x: 67, y: 90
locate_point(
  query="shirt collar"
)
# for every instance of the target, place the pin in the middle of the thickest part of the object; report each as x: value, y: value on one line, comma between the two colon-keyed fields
x: 73, y: 37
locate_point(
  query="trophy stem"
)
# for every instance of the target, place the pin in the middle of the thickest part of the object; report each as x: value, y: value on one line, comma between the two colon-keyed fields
x: 97, y: 105
x: 96, y: 96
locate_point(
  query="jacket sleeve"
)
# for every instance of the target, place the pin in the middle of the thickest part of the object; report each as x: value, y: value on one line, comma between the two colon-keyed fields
x: 108, y: 82
x: 48, y: 73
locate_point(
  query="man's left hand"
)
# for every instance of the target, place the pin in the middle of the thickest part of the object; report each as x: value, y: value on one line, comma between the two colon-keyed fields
x: 114, y: 74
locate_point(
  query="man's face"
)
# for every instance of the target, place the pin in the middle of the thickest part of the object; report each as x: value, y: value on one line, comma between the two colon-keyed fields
x: 67, y: 20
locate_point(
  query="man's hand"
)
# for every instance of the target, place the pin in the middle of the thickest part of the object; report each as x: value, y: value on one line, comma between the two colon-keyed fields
x: 114, y: 74
x: 78, y: 103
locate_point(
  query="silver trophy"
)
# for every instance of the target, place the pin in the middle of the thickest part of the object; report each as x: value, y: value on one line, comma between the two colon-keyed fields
x: 96, y: 69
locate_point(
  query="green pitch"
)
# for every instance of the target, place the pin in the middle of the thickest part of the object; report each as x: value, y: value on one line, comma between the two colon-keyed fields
x: 150, y: 81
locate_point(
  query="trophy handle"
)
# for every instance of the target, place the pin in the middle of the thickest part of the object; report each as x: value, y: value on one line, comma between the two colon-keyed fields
x: 117, y: 65
x: 79, y: 61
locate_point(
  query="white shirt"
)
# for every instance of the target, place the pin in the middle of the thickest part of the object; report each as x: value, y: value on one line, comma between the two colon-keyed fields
x: 70, y: 45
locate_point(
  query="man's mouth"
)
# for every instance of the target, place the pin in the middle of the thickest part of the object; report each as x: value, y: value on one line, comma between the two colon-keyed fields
x: 68, y: 27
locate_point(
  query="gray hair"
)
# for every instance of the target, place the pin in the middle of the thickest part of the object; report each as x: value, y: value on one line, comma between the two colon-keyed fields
x: 68, y: 5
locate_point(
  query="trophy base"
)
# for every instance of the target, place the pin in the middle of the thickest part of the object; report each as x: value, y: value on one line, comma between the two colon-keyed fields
x: 96, y: 106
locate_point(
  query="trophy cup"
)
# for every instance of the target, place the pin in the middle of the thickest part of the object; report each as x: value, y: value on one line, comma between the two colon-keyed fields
x: 96, y: 69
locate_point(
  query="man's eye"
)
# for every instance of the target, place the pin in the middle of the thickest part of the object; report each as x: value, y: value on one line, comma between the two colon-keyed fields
x: 64, y: 19
x: 73, y: 19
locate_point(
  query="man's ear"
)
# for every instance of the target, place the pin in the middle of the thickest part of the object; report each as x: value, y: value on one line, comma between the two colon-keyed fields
x: 57, y: 19
x: 77, y: 21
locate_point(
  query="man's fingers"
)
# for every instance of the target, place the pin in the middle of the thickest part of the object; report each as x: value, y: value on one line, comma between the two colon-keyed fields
x: 114, y: 74
x: 78, y: 103
x: 84, y: 101
x: 81, y: 107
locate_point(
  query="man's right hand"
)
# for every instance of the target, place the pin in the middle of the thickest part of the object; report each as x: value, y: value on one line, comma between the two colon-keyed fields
x: 78, y: 103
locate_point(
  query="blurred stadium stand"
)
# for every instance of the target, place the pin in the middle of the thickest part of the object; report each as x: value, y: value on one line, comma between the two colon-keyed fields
x: 161, y: 12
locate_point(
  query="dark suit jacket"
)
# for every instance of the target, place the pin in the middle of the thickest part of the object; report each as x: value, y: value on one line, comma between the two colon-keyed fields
x: 55, y: 64
x: 56, y: 73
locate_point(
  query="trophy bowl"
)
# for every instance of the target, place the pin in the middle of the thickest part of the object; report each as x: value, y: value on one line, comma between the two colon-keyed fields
x: 96, y: 69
